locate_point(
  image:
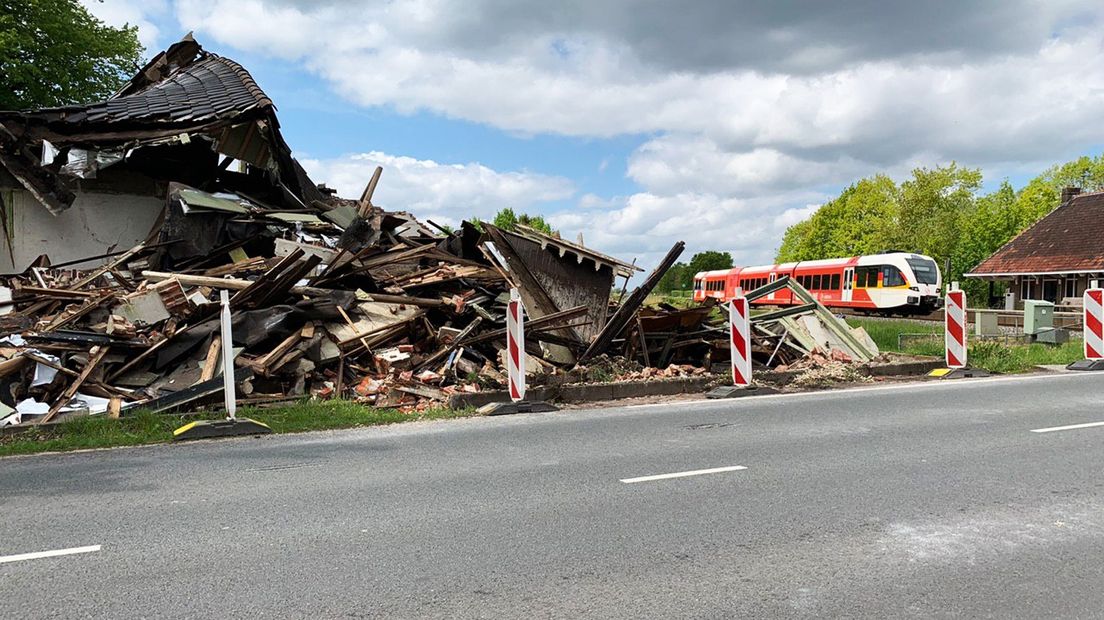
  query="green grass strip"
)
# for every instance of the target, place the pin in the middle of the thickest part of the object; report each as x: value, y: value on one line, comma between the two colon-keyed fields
x: 991, y: 355
x: 143, y: 427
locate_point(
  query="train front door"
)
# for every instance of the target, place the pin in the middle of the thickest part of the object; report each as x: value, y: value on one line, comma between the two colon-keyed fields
x: 770, y: 279
x: 848, y: 283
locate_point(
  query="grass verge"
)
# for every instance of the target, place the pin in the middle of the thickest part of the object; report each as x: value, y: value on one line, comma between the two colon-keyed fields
x: 143, y: 427
x: 991, y: 355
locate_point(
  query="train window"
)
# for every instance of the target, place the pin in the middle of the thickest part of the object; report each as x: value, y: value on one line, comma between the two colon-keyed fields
x: 697, y: 284
x: 816, y: 282
x: 892, y: 276
x: 924, y: 269
x: 835, y: 282
x: 866, y: 277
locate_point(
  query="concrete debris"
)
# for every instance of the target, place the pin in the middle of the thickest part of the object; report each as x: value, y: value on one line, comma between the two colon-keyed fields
x: 403, y: 320
x: 830, y: 373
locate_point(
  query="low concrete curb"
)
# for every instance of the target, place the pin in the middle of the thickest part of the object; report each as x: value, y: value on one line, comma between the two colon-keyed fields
x: 596, y: 392
x: 592, y: 392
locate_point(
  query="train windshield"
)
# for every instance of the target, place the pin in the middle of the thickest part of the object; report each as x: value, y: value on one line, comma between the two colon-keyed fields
x: 925, y: 270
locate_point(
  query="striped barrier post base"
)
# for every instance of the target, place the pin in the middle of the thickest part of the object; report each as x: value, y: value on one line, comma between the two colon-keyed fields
x: 739, y: 322
x: 515, y: 364
x: 1094, y: 331
x: 955, y: 349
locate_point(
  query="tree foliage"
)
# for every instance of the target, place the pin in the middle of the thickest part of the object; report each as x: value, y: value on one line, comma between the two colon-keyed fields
x: 506, y: 219
x: 680, y: 276
x: 54, y: 52
x: 709, y: 261
x: 938, y: 211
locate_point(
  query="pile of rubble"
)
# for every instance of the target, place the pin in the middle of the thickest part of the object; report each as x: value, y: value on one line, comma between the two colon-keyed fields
x: 797, y: 337
x: 349, y: 301
x: 135, y: 213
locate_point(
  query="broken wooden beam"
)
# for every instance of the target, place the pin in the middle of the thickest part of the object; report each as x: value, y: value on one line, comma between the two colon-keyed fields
x: 627, y: 311
x: 95, y: 356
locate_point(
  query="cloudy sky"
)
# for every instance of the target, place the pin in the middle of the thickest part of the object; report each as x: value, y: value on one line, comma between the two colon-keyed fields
x: 718, y: 122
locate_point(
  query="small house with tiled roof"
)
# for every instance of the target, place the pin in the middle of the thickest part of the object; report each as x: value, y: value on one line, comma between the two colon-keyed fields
x: 1057, y: 257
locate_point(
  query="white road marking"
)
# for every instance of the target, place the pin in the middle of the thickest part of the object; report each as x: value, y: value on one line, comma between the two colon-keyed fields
x: 1071, y: 427
x: 683, y: 474
x: 48, y: 554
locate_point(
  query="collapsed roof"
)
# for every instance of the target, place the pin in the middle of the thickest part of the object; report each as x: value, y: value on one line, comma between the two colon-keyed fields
x: 182, y: 96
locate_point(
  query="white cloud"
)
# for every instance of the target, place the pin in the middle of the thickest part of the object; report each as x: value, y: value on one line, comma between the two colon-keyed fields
x: 446, y: 193
x: 118, y: 13
x: 645, y: 225
x: 753, y: 110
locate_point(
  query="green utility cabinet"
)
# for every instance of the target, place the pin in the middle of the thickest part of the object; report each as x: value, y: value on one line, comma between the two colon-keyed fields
x: 1038, y: 316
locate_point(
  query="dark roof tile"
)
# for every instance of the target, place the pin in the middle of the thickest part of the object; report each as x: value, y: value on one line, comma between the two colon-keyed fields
x: 1068, y: 239
x: 208, y: 88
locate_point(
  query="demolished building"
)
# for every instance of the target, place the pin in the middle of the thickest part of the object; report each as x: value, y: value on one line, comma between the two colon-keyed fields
x: 85, y: 180
x: 124, y: 220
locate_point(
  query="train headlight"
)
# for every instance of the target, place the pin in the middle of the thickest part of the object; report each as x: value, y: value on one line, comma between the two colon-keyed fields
x: 914, y: 288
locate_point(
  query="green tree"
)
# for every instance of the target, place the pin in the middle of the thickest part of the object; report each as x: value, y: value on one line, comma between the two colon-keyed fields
x: 934, y: 204
x: 793, y: 242
x: 506, y: 219
x: 861, y: 220
x: 709, y: 261
x: 991, y: 223
x: 677, y: 278
x: 54, y: 52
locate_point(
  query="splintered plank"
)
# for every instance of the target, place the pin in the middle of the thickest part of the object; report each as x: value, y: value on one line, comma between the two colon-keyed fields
x: 627, y: 311
x: 96, y: 355
x: 210, y: 365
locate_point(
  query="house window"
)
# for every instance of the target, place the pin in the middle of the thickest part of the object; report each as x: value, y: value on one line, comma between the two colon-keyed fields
x: 1027, y: 290
x: 1071, y: 287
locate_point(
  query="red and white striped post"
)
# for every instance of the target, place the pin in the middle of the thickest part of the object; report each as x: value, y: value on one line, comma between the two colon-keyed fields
x: 954, y: 314
x: 1094, y: 323
x: 515, y: 346
x: 740, y: 325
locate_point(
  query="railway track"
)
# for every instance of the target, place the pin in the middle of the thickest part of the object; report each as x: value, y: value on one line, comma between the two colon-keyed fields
x: 1005, y: 318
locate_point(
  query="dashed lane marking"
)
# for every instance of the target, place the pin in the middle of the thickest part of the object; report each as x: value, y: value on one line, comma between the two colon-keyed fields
x: 48, y: 554
x: 683, y: 474
x: 1071, y: 427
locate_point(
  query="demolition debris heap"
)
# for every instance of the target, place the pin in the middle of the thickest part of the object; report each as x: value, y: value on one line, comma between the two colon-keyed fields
x: 124, y: 219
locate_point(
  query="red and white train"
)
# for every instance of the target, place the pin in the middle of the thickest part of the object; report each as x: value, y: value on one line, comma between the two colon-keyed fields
x: 889, y: 283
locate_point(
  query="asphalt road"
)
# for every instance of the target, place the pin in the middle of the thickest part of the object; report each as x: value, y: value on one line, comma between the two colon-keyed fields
x: 909, y: 501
